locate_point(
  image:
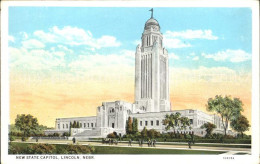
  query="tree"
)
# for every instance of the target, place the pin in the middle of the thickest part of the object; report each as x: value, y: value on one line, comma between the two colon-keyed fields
x: 135, y: 125
x: 240, y: 124
x: 209, y: 128
x: 172, y: 121
x: 129, y: 126
x: 26, y: 123
x: 39, y: 130
x: 70, y: 129
x: 66, y: 134
x: 228, y: 108
x: 144, y: 132
x: 74, y: 125
x: 185, y: 122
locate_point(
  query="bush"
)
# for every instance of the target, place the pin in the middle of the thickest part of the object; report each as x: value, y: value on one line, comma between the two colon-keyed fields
x: 41, y: 149
x: 111, y: 135
x: 14, y: 149
x: 12, y: 138
x: 56, y: 134
x: 78, y: 149
x: 66, y: 134
x: 24, y: 138
x: 115, y: 133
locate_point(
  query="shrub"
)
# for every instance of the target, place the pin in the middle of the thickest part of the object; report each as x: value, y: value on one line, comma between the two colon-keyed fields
x: 111, y: 135
x: 14, y: 149
x: 41, y: 149
x: 66, y: 134
x: 79, y: 149
x: 56, y: 134
x: 24, y: 138
x: 229, y: 137
x: 151, y: 133
x: 12, y: 138
x: 115, y: 133
x: 138, y: 134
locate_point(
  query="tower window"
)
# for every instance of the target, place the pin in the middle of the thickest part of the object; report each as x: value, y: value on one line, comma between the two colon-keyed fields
x: 92, y: 125
x: 146, y: 123
x: 67, y: 126
x: 151, y: 123
x: 84, y: 125
x: 63, y: 126
x: 113, y: 125
x: 157, y: 122
x: 141, y: 123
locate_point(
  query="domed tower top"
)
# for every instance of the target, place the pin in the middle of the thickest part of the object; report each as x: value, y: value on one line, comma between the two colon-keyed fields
x: 151, y: 33
x: 152, y: 23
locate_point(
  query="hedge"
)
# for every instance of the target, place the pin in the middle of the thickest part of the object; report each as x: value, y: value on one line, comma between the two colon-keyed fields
x: 24, y: 148
x: 203, y: 140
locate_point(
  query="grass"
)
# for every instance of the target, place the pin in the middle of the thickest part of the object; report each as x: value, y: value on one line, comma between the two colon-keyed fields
x: 241, y: 153
x: 131, y: 150
x: 211, y: 145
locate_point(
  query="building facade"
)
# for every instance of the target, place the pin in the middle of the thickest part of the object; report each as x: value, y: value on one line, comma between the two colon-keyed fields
x: 151, y: 97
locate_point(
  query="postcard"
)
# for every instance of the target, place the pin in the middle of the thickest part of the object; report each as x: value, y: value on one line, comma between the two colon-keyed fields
x: 128, y: 82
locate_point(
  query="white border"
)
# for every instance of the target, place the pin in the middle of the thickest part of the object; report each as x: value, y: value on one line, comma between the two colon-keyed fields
x: 254, y: 158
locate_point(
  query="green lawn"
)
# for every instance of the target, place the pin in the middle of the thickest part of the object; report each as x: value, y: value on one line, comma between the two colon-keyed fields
x: 130, y: 150
x: 211, y: 145
x: 241, y: 153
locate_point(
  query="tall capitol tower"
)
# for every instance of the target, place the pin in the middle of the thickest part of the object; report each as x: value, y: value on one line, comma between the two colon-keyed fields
x: 152, y: 70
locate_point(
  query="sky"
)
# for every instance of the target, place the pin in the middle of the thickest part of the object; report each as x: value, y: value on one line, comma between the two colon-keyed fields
x: 66, y: 61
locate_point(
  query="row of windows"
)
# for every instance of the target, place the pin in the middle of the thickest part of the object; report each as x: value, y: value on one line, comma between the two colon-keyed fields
x: 84, y: 125
x: 151, y: 123
x: 157, y: 123
x: 112, y: 110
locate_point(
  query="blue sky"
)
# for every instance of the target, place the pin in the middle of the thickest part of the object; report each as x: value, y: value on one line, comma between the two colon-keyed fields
x: 64, y: 58
x: 209, y: 37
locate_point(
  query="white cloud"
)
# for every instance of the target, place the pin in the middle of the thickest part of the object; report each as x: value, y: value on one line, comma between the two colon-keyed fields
x: 192, y: 34
x: 76, y: 36
x: 107, y: 41
x: 11, y: 38
x: 195, y: 58
x: 136, y: 42
x: 35, y: 59
x: 62, y: 48
x: 174, y: 39
x: 32, y: 44
x: 174, y: 43
x: 24, y: 35
x: 234, y: 56
x: 97, y: 64
x: 173, y: 56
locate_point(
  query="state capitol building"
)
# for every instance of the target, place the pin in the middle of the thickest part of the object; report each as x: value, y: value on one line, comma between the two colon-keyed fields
x: 152, y: 99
